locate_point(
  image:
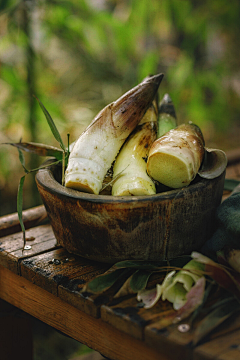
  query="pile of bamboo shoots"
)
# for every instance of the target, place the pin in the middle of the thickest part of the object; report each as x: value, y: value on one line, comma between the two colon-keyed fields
x: 137, y: 141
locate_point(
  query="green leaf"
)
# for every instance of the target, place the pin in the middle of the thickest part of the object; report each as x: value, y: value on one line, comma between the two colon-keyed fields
x: 21, y: 158
x: 151, y: 265
x: 52, y: 125
x: 20, y: 205
x: 104, y: 282
x: 38, y: 149
x: 215, y: 318
x: 139, y: 280
x: 139, y: 264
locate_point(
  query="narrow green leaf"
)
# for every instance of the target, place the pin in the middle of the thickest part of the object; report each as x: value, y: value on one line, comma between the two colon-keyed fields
x: 51, y: 125
x: 103, y: 282
x: 21, y: 157
x: 20, y: 206
x: 39, y: 149
x: 139, y: 280
x: 215, y: 318
x: 151, y: 265
x: 139, y: 264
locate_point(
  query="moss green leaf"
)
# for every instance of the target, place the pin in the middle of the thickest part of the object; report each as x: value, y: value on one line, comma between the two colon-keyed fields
x: 51, y: 124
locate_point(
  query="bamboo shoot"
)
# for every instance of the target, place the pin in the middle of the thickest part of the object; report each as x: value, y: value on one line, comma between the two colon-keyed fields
x: 98, y: 146
x: 175, y: 158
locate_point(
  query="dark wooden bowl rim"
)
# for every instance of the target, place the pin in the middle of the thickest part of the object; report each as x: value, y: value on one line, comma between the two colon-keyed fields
x: 47, y: 179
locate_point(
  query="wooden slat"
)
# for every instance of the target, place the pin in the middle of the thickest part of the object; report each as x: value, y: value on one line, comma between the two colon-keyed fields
x: 58, y: 267
x: 40, y: 238
x: 222, y: 348
x: 129, y: 316
x: 70, y: 292
x: 9, y: 224
x: 90, y: 331
x: 169, y: 341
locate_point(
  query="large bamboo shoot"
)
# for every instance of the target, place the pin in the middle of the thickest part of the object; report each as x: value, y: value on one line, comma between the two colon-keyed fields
x: 98, y: 146
x: 175, y: 158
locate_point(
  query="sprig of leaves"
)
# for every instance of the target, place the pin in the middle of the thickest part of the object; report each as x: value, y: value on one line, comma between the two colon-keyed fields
x: 61, y: 155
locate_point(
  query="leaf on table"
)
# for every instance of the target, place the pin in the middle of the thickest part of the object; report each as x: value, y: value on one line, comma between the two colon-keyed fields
x: 140, y: 264
x: 215, y: 318
x: 225, y: 277
x: 150, y: 297
x: 139, y: 280
x: 154, y: 265
x: 105, y: 281
x: 194, y: 299
x: 39, y: 149
x: 125, y: 289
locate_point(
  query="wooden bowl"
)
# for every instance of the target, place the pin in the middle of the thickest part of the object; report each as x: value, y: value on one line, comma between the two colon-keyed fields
x: 110, y: 229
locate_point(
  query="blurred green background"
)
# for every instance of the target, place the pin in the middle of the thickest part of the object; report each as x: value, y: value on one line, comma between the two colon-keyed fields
x: 78, y: 56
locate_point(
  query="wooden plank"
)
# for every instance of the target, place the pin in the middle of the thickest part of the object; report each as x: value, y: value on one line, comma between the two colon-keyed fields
x: 40, y: 238
x: 90, y: 331
x: 130, y: 317
x: 9, y: 224
x: 169, y: 340
x: 70, y: 292
x: 222, y: 348
x: 58, y: 267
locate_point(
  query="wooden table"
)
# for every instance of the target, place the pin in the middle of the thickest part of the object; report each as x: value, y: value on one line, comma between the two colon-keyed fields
x: 45, y: 281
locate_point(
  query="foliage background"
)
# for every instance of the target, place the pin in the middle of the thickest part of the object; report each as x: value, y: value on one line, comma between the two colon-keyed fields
x: 78, y: 56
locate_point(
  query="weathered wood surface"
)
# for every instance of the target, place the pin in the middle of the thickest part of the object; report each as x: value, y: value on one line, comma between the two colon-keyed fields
x: 46, y: 281
x: 9, y: 224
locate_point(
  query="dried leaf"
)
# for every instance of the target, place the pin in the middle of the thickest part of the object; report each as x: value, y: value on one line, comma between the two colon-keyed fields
x: 226, y: 278
x: 215, y: 318
x: 150, y: 297
x: 194, y: 300
x: 39, y: 149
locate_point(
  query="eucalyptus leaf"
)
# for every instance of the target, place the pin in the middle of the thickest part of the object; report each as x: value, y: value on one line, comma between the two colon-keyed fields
x: 154, y: 265
x: 140, y: 264
x: 105, y: 281
x: 215, y: 318
x: 52, y: 125
x: 39, y: 149
x: 139, y: 280
x: 20, y: 207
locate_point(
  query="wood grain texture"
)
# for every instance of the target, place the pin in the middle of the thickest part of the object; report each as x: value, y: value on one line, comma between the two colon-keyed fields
x: 92, y: 332
x: 57, y: 267
x: 222, y: 348
x: 9, y: 224
x: 40, y: 238
x: 127, y: 314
